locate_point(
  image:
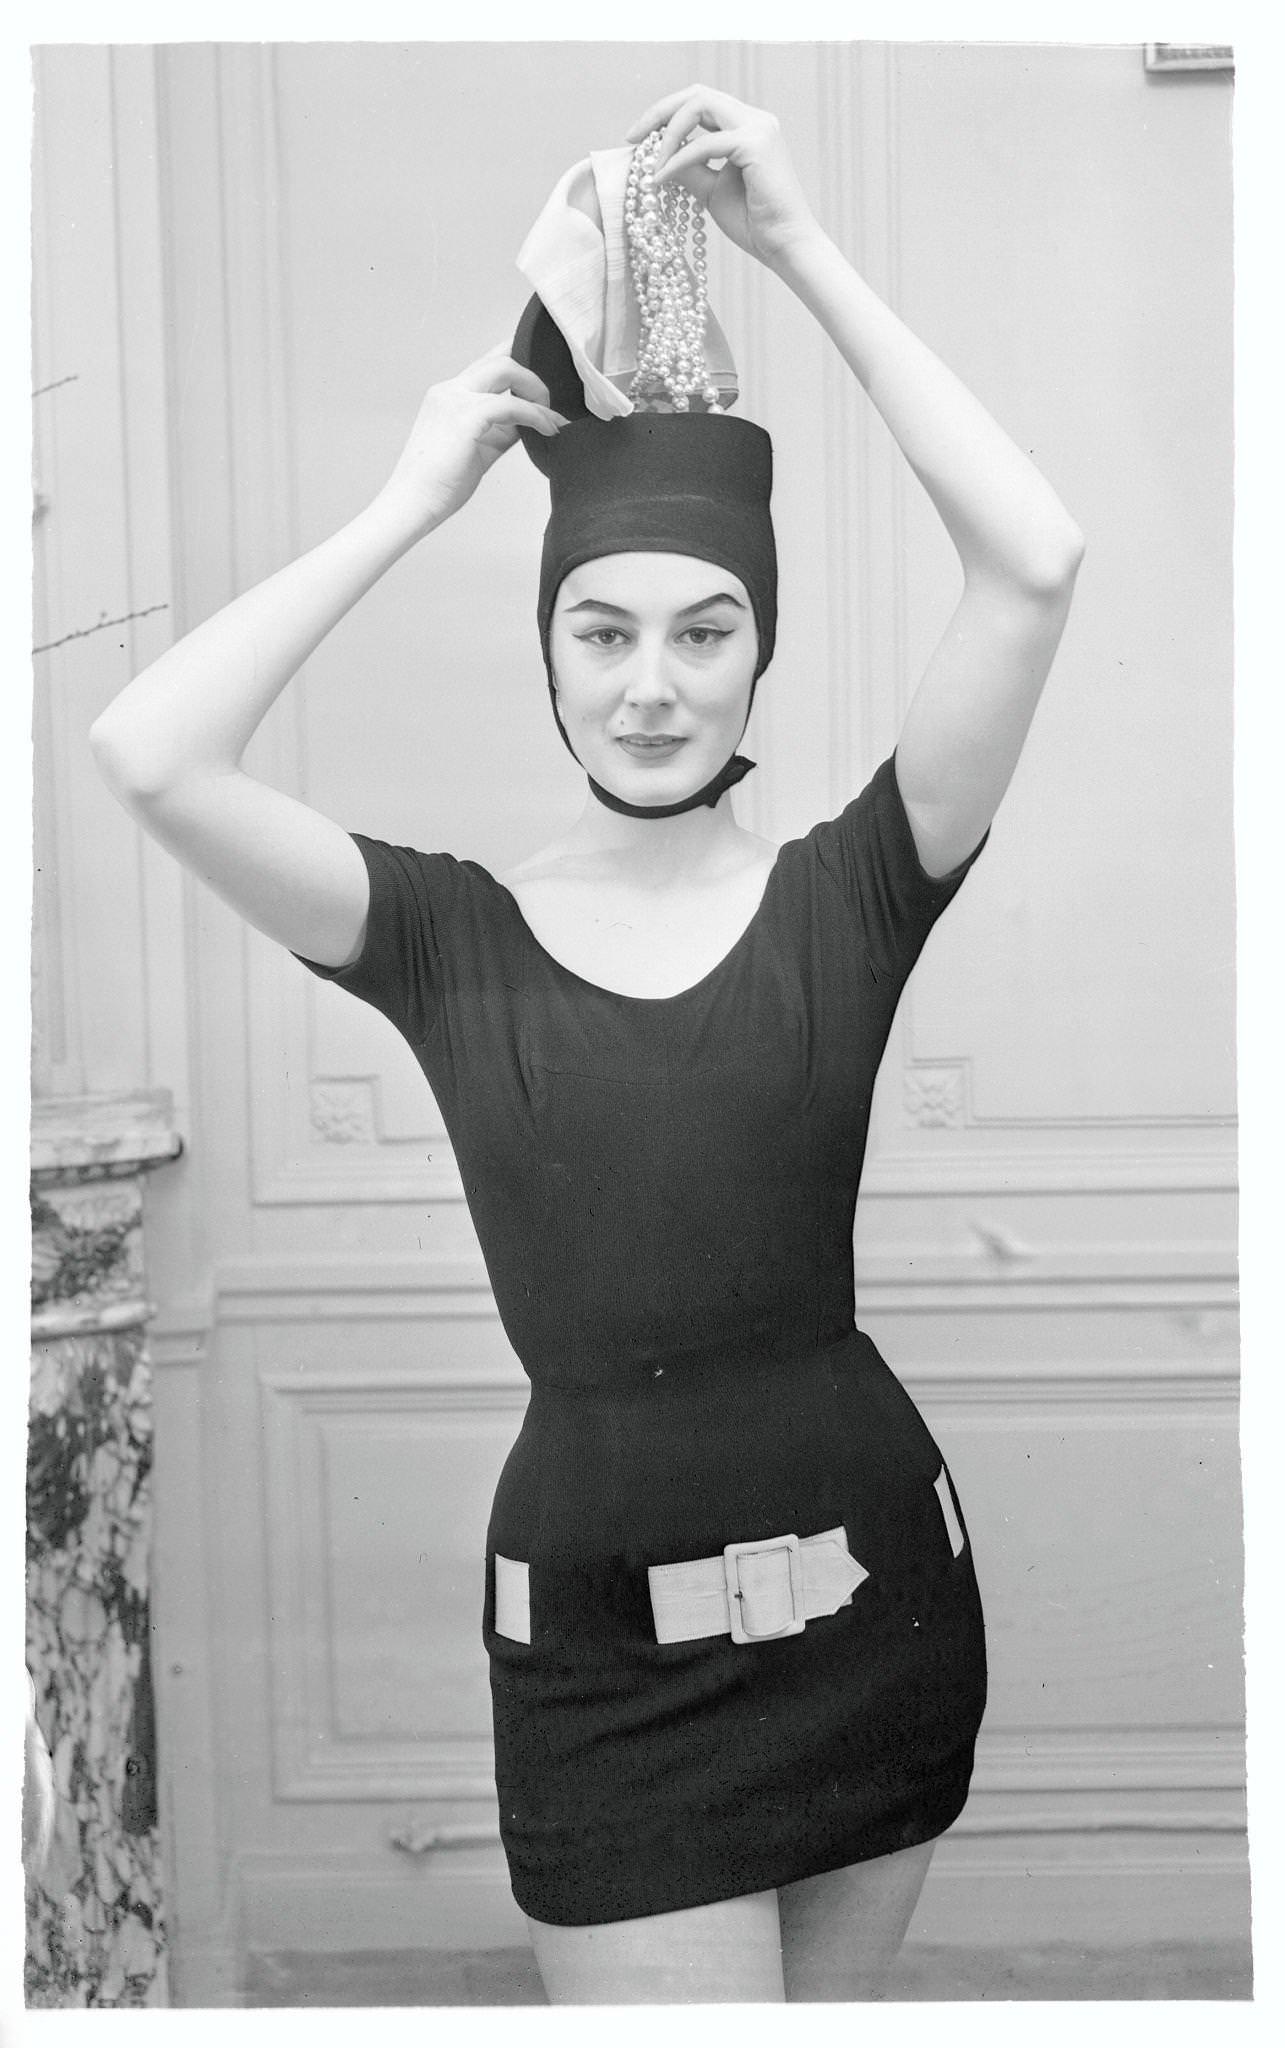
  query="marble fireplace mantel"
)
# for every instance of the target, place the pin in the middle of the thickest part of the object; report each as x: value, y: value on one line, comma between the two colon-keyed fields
x: 102, y: 1134
x: 95, y: 1924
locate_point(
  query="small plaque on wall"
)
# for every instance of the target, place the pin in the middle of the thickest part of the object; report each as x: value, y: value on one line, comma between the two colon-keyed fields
x: 1189, y: 56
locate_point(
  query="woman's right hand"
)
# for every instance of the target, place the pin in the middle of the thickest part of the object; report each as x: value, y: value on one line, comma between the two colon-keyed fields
x: 462, y: 427
x: 170, y: 745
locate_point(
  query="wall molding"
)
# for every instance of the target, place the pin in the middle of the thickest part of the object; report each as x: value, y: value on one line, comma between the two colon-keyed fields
x: 865, y: 481
x: 306, y: 1151
x: 432, y: 1771
x: 477, y: 1390
x: 357, y: 1173
x: 108, y: 982
x: 1042, y: 1780
x: 452, y: 1898
x: 737, y: 292
x: 1190, y: 1279
x: 312, y: 1758
x: 927, y: 1077
x: 1089, y: 1384
x: 180, y: 1331
x: 372, y: 1177
x: 293, y: 1120
x: 1061, y: 1172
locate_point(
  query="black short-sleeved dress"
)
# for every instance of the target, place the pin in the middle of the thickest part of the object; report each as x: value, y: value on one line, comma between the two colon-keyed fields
x: 664, y: 1191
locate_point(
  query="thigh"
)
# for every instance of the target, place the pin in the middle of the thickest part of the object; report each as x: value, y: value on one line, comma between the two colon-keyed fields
x: 704, y: 1955
x: 840, y: 1932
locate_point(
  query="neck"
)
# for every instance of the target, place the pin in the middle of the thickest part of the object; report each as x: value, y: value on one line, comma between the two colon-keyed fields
x: 658, y: 845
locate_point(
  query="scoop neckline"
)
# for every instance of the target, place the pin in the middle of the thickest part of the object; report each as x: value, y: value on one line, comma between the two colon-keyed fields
x: 619, y: 995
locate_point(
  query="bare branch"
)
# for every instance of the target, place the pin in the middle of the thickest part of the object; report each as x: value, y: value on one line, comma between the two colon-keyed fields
x: 83, y: 632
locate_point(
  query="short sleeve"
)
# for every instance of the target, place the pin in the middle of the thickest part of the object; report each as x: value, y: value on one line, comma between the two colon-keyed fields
x: 869, y: 852
x: 400, y: 967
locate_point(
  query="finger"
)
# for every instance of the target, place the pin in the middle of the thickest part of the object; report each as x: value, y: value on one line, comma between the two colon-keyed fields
x: 697, y: 154
x: 657, y: 114
x: 500, y: 371
x: 662, y: 111
x: 698, y: 179
x: 497, y: 370
x: 716, y: 112
x: 499, y: 352
x: 694, y: 113
x: 510, y: 410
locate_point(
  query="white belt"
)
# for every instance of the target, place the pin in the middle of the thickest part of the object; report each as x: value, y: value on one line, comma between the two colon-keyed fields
x: 755, y: 1592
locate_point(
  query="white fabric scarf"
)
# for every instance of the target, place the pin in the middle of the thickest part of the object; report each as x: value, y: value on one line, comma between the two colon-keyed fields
x: 576, y: 258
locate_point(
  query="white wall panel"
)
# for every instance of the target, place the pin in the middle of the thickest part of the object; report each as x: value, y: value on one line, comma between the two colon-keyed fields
x: 376, y: 1493
x: 1089, y: 976
x: 109, y: 985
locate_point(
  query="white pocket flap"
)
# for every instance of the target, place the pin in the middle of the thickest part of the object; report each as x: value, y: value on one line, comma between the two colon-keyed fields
x: 512, y: 1599
x: 941, y: 1486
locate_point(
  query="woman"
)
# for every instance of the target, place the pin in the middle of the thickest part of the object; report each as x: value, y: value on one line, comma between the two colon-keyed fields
x: 736, y: 1648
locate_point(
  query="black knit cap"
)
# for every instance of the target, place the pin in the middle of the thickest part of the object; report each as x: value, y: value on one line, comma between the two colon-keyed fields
x: 696, y: 483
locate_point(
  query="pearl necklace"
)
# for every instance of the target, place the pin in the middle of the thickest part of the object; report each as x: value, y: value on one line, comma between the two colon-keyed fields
x: 671, y: 291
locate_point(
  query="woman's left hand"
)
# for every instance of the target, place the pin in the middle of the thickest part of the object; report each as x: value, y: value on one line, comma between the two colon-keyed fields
x: 754, y: 195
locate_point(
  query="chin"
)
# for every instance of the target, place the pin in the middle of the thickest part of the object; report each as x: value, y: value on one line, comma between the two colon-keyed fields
x: 666, y: 783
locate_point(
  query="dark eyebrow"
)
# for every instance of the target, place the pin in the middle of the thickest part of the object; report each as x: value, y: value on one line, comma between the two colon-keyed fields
x: 719, y: 597
x: 599, y: 604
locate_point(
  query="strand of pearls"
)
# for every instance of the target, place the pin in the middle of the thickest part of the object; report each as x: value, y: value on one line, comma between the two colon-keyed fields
x: 672, y: 291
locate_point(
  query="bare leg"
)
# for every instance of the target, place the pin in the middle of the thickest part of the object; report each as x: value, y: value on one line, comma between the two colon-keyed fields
x: 707, y: 1955
x: 840, y: 1932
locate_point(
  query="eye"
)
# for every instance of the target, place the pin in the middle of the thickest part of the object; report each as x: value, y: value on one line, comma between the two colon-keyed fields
x: 602, y: 636
x: 706, y: 636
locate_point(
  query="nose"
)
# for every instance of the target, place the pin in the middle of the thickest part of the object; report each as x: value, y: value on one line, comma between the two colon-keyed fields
x: 648, y: 681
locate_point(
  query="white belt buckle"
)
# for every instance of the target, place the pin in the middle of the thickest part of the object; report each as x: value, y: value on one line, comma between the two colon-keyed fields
x: 732, y: 1553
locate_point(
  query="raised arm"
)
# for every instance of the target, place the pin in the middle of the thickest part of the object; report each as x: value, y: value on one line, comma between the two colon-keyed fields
x: 1018, y: 547
x: 170, y: 745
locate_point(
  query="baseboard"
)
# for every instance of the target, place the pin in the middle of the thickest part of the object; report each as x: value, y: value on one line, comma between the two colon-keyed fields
x: 205, y: 1963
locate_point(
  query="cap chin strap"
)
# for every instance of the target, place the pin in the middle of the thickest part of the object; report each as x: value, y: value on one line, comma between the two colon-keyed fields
x: 728, y: 776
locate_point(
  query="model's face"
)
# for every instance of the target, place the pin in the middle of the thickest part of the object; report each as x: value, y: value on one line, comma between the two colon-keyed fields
x: 653, y: 660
